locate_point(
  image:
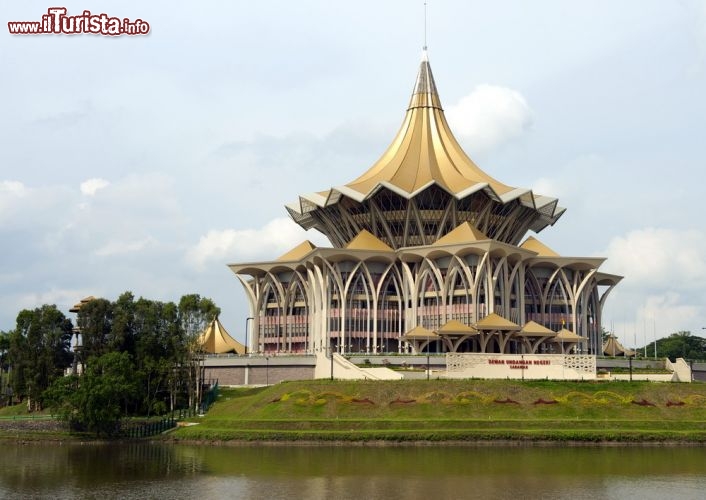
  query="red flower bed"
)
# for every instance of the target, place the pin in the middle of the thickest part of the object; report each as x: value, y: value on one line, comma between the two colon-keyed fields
x: 506, y: 401
x: 643, y: 402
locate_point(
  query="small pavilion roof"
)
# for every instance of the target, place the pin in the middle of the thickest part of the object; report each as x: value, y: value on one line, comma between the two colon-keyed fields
x: 419, y: 333
x: 565, y: 335
x: 494, y: 321
x: 535, y: 245
x: 216, y: 340
x: 613, y: 347
x: 76, y: 307
x: 455, y: 327
x: 365, y: 240
x: 463, y: 233
x: 298, y: 251
x: 534, y: 329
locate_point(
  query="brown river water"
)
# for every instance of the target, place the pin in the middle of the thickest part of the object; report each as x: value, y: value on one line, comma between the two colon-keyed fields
x: 150, y: 470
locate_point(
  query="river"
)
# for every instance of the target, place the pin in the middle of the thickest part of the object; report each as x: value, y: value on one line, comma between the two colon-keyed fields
x: 155, y: 470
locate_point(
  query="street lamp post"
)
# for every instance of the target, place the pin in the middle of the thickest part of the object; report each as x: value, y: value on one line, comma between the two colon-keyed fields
x: 267, y: 370
x: 331, y: 357
x: 246, y: 332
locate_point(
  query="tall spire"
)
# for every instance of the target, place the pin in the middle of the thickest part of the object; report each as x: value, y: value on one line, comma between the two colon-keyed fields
x: 425, y: 94
x: 425, y: 167
x: 425, y: 28
x: 425, y: 151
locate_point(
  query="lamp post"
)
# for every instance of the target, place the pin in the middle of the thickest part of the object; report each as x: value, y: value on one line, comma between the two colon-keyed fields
x: 249, y: 318
x: 267, y: 370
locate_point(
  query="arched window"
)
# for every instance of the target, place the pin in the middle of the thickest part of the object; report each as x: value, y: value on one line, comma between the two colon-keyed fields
x: 429, y: 313
x: 390, y: 320
x: 270, y: 319
x: 459, y: 301
x: 358, y: 328
x: 297, y: 319
x: 558, y: 308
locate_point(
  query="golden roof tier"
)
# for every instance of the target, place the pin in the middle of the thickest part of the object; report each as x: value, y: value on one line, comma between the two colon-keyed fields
x: 423, y: 187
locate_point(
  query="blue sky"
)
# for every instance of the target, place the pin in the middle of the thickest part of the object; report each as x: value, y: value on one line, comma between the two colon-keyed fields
x: 148, y: 163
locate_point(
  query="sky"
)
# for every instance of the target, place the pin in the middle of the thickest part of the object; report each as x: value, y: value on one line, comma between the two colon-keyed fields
x: 148, y: 163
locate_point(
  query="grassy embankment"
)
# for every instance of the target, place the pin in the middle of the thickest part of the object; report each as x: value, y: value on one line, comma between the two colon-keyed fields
x: 439, y: 410
x: 18, y: 425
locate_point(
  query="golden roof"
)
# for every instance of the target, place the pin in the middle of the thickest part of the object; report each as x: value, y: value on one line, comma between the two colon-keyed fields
x: 534, y: 329
x: 425, y: 151
x: 613, y: 347
x: 494, y: 321
x: 419, y: 332
x: 77, y: 307
x: 298, y: 251
x: 216, y: 340
x: 464, y: 233
x: 365, y: 240
x: 565, y: 335
x: 454, y: 326
x: 535, y: 245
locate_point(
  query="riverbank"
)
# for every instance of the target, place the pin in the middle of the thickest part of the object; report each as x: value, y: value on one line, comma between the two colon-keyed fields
x: 417, y: 411
x: 30, y: 429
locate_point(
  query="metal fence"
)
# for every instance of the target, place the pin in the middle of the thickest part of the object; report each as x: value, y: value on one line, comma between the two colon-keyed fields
x: 148, y: 429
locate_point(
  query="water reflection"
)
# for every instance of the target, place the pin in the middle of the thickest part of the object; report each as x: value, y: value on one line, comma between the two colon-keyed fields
x: 164, y: 471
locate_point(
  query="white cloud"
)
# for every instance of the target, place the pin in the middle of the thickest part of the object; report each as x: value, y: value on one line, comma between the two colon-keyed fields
x: 91, y: 186
x: 229, y: 245
x: 115, y: 247
x: 658, y: 257
x: 63, y: 298
x: 663, y: 290
x: 490, y: 116
x: 12, y: 188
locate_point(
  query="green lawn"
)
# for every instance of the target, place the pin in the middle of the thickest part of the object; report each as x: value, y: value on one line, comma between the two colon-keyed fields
x: 441, y: 410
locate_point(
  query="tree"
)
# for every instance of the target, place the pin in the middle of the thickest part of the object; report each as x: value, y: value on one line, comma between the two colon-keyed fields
x: 95, y: 321
x: 96, y: 401
x: 195, y: 313
x: 682, y: 345
x: 4, y: 363
x: 156, y: 352
x: 122, y: 333
x: 39, y: 352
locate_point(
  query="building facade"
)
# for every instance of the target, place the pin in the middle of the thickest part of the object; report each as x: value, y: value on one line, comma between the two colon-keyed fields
x: 425, y: 239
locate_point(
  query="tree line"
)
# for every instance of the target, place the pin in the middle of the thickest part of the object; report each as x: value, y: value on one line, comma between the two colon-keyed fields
x: 677, y: 345
x: 135, y: 357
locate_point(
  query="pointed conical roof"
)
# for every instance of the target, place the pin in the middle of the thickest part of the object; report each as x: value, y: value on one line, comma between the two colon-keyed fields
x: 424, y: 157
x: 454, y: 326
x: 534, y: 245
x: 367, y: 241
x: 298, y: 251
x: 419, y: 332
x: 613, y: 347
x: 565, y: 335
x: 216, y: 340
x: 425, y: 150
x: 464, y: 233
x: 534, y: 329
x: 494, y: 321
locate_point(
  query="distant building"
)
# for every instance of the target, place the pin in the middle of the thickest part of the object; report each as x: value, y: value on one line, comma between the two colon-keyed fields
x: 426, y: 241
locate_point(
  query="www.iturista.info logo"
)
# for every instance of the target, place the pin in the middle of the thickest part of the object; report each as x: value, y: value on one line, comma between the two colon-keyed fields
x: 57, y: 22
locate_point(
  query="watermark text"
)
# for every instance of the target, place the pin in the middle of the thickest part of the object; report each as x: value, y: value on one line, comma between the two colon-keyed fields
x: 57, y: 22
